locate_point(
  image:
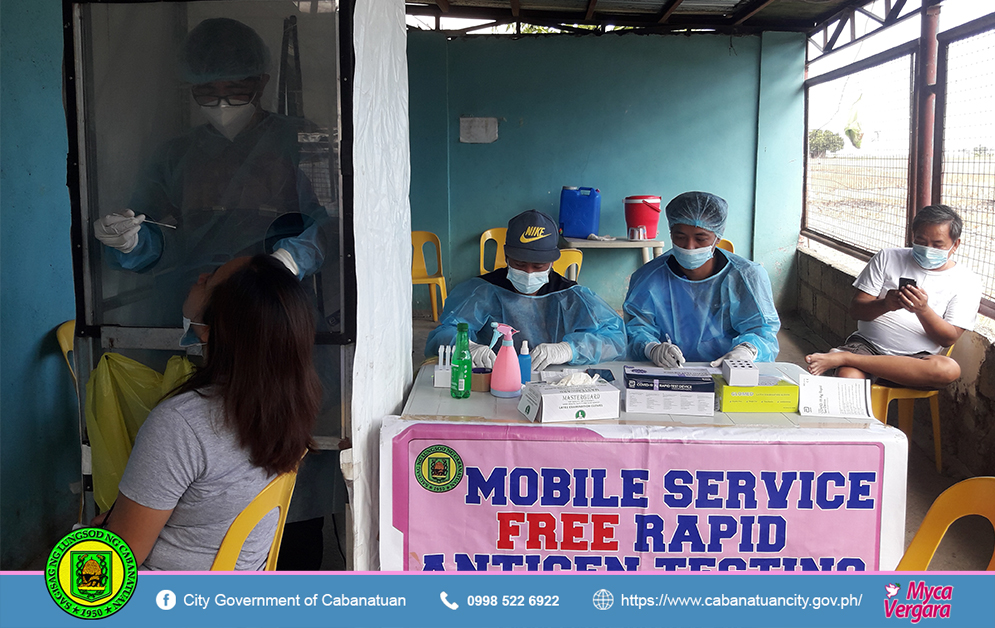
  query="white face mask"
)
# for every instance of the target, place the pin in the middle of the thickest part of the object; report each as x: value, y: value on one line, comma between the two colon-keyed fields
x: 229, y: 120
x: 528, y: 283
x: 190, y: 337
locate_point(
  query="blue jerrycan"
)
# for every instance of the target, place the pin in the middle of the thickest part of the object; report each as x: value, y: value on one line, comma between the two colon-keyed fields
x: 580, y: 212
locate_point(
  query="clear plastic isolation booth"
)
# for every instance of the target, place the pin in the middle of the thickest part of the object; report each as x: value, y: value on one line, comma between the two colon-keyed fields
x: 201, y: 132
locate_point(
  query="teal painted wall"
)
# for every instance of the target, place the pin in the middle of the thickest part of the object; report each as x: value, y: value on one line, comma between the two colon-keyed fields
x: 780, y: 162
x: 39, y: 439
x: 626, y: 114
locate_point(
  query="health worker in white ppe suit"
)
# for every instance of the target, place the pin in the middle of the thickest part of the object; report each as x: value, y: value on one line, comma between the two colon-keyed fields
x: 231, y: 187
x: 564, y: 322
x: 697, y: 302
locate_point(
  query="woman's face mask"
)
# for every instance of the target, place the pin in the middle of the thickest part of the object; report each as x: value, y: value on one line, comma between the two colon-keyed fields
x: 190, y: 337
x: 528, y: 283
x: 228, y: 119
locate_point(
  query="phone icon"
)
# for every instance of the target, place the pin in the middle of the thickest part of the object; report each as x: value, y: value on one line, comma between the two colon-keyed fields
x: 452, y: 605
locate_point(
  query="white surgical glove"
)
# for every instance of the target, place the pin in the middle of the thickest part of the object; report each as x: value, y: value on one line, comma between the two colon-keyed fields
x: 287, y: 259
x: 549, y: 353
x: 742, y: 351
x: 665, y: 354
x: 119, y: 231
x: 482, y: 356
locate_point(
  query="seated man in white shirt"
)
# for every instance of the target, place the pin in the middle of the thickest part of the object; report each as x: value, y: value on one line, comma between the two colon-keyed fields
x: 903, y: 325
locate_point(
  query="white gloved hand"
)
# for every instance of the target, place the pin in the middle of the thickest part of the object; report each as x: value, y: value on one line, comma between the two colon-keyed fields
x: 549, y: 353
x: 742, y: 351
x: 119, y: 231
x: 665, y: 354
x: 482, y: 356
x: 287, y: 260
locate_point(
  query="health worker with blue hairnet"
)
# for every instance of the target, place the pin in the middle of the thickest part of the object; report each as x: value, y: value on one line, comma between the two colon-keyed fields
x: 565, y: 323
x: 697, y: 302
x: 228, y: 188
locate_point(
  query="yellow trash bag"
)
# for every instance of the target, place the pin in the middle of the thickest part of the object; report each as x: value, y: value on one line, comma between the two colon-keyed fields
x: 119, y: 396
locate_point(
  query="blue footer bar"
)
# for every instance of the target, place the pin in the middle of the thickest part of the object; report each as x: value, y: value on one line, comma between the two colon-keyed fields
x: 576, y: 600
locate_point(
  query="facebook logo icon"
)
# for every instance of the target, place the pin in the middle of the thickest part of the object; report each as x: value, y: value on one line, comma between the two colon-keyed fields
x: 166, y: 599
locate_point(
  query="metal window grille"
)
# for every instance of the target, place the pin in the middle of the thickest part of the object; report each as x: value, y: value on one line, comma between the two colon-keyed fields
x: 967, y: 179
x: 857, y: 194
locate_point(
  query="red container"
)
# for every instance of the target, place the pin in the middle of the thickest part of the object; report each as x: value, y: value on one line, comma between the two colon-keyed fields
x: 643, y: 211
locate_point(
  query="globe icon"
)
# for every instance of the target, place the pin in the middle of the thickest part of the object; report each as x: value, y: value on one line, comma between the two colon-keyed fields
x: 603, y: 599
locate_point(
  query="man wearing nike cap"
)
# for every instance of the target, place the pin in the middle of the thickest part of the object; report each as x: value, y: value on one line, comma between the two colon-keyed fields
x: 565, y: 323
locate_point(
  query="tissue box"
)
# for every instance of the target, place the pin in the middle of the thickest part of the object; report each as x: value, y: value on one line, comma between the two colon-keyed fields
x: 545, y: 403
x: 771, y: 394
x: 650, y: 390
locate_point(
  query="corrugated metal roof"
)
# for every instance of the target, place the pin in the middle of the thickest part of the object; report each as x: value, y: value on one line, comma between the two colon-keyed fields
x: 723, y: 15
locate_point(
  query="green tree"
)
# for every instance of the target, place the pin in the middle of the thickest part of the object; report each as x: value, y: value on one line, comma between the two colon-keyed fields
x: 821, y: 142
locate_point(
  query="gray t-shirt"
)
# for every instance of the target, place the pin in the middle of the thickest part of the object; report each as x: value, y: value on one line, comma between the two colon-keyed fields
x: 184, y: 459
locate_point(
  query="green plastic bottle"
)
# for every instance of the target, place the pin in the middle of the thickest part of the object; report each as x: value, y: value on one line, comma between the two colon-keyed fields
x: 459, y: 386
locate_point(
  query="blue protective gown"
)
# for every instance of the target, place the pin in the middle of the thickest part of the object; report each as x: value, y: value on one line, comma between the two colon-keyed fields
x: 704, y: 318
x: 575, y: 315
x: 225, y: 197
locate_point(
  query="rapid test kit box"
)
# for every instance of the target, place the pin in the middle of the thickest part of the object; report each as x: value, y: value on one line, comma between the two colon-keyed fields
x: 547, y: 403
x: 651, y: 390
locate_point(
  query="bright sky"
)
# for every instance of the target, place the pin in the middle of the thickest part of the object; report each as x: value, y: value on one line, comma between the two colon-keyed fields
x: 877, y: 98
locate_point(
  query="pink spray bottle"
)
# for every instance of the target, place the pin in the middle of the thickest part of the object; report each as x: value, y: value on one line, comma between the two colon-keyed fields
x: 506, y: 377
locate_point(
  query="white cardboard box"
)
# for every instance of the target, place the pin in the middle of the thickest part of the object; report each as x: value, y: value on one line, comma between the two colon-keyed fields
x: 666, y: 402
x: 545, y: 403
x: 650, y: 390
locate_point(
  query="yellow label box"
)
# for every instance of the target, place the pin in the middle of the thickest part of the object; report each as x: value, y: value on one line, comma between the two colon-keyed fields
x: 771, y: 395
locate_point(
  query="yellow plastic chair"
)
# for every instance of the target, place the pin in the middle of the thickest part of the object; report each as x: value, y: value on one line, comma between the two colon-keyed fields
x: 65, y: 335
x: 726, y: 245
x: 975, y: 496
x: 498, y: 234
x: 419, y: 270
x: 569, y: 258
x: 882, y: 396
x: 277, y: 494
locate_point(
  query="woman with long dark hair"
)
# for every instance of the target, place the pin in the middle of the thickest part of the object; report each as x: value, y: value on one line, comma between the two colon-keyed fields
x: 246, y: 416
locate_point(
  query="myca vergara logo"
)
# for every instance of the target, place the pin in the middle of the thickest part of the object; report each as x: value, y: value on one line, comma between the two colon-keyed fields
x: 91, y: 573
x: 921, y: 601
x: 438, y: 468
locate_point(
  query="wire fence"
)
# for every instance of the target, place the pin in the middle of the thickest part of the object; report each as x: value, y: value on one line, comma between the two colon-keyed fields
x: 968, y: 167
x: 859, y: 147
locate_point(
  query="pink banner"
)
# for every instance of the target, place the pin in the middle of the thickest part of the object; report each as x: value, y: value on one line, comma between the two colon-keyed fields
x: 541, y: 498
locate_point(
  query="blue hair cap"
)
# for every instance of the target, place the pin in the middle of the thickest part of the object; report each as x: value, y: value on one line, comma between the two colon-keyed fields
x: 222, y: 49
x: 698, y: 209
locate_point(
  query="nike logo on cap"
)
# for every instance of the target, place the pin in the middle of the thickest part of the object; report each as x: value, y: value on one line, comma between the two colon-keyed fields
x: 533, y: 233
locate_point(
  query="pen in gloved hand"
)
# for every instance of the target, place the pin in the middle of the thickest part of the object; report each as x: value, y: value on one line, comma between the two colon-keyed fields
x: 669, y: 341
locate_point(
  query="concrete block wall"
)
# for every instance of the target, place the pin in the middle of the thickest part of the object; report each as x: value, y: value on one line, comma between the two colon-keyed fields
x: 967, y: 407
x: 824, y: 293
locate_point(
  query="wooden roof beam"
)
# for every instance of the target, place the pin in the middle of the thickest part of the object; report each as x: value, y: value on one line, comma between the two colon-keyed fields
x: 590, y: 10
x: 749, y: 11
x: 668, y: 9
x: 516, y: 8
x: 443, y: 5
